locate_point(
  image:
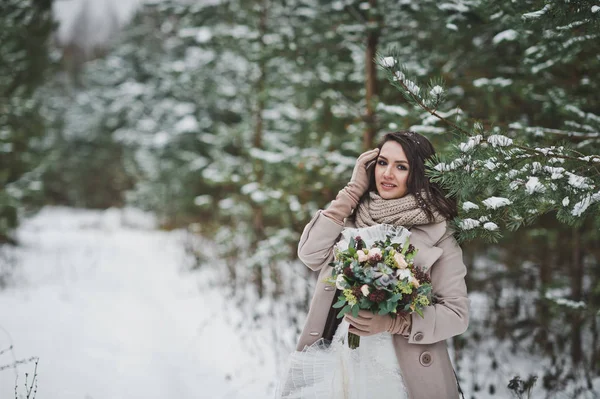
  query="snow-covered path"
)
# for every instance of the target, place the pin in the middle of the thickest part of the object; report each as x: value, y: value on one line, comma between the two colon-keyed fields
x: 112, y: 313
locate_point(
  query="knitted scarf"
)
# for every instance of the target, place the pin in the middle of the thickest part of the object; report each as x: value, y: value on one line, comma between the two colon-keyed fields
x: 403, y: 211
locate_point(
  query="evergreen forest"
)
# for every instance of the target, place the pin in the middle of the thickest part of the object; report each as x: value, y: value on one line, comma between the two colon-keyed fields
x: 236, y: 120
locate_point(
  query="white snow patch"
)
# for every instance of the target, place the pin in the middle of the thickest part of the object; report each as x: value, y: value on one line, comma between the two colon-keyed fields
x: 388, y: 62
x: 536, y: 14
x: 392, y: 109
x: 187, y: 124
x: 467, y: 206
x: 202, y: 200
x: 119, y: 305
x: 491, y: 226
x: 468, y: 224
x: 427, y: 129
x: 508, y: 35
x: 585, y: 203
x: 496, y: 202
x: 436, y: 91
x: 501, y: 82
x: 533, y: 185
x: 577, y: 181
x: 498, y: 140
x: 471, y: 143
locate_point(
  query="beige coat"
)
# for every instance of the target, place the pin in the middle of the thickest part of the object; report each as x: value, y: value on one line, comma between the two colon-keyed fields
x: 423, y: 356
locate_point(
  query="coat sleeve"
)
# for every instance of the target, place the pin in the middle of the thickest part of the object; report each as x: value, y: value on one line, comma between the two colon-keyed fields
x: 315, y: 249
x: 450, y: 315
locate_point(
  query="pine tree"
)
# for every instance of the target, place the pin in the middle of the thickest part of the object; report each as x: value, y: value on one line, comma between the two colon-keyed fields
x: 26, y: 29
x: 525, y: 157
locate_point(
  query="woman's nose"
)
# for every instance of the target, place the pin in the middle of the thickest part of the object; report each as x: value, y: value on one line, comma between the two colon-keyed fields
x: 387, y: 172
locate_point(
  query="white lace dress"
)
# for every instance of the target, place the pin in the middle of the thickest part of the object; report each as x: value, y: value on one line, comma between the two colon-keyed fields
x: 338, y: 372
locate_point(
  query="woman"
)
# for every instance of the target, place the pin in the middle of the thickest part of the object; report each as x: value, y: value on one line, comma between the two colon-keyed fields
x: 389, y: 185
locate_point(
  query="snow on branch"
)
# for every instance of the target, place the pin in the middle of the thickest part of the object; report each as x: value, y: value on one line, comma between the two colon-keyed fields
x: 501, y: 180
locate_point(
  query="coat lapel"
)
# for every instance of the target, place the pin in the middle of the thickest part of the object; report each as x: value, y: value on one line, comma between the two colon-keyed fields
x: 424, y: 239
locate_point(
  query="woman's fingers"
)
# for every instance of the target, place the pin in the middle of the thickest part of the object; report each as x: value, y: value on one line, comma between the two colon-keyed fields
x: 357, y: 322
x: 367, y: 156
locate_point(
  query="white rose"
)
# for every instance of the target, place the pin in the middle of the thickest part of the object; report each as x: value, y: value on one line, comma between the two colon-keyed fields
x: 362, y: 256
x: 365, y: 290
x: 403, y: 273
x: 340, y: 282
x: 400, y: 261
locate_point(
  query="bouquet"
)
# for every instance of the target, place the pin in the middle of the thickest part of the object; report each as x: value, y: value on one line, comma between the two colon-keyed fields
x: 376, y: 272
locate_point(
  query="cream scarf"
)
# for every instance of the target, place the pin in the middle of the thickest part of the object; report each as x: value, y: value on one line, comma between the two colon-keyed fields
x: 403, y: 211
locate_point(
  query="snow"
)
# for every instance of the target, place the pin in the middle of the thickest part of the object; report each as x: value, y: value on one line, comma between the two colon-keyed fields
x: 201, y: 35
x: 112, y: 309
x: 501, y: 82
x: 497, y: 140
x: 469, y: 224
x: 555, y: 295
x: 436, y: 91
x: 424, y: 129
x: 469, y: 205
x: 595, y: 9
x: 186, y: 124
x: 585, y: 203
x: 392, y: 109
x: 533, y: 185
x: 579, y: 182
x: 471, y: 143
x: 202, y: 200
x: 507, y: 35
x: 490, y: 226
x: 388, y: 62
x: 496, y: 202
x: 111, y: 312
x: 537, y: 14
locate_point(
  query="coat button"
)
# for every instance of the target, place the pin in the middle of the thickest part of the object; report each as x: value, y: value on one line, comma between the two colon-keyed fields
x: 328, y: 288
x: 418, y: 337
x: 314, y: 333
x: 425, y: 359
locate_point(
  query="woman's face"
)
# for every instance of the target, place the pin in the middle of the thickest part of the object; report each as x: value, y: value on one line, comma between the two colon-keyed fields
x: 391, y: 171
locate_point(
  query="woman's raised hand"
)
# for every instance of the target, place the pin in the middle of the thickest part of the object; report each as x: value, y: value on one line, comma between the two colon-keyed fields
x: 348, y: 197
x: 360, y: 176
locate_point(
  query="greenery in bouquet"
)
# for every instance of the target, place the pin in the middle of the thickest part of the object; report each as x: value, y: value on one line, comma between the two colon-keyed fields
x: 382, y: 279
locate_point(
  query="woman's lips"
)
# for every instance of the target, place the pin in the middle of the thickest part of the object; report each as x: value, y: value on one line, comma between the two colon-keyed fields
x: 388, y: 186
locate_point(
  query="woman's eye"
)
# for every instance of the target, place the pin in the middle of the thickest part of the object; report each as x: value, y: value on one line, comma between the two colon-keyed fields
x: 381, y: 162
x: 402, y: 167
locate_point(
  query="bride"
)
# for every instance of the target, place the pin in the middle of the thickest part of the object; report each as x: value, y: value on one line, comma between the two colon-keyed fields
x: 405, y: 356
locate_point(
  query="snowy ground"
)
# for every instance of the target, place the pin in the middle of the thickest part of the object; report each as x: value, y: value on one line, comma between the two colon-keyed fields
x: 112, y: 309
x: 108, y: 306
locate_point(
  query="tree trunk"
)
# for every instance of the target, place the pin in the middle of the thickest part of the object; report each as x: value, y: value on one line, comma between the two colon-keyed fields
x: 258, y: 216
x: 373, y: 31
x: 576, y: 294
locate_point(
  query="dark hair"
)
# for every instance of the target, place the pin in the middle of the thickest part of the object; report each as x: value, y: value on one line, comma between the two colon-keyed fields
x: 418, y: 150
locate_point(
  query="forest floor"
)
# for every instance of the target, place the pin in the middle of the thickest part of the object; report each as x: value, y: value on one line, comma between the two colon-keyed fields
x: 115, y: 308
x: 111, y: 309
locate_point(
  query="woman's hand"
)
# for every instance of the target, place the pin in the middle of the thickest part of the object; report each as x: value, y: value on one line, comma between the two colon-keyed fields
x: 348, y: 197
x: 368, y: 323
x: 360, y: 176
